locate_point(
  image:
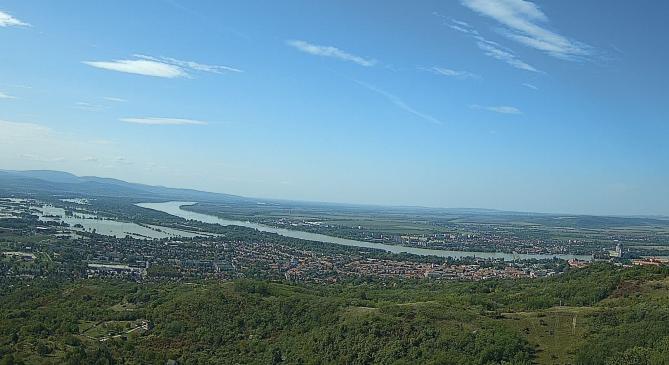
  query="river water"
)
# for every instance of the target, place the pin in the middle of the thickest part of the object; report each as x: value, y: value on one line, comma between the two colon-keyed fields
x: 109, y: 227
x: 174, y: 208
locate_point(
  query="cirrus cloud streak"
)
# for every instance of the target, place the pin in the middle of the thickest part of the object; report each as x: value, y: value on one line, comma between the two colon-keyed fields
x: 163, y: 121
x: 458, y: 74
x: 329, y: 51
x: 501, y: 109
x: 140, y: 67
x: 400, y: 103
x: 165, y: 67
x: 524, y: 22
x: 489, y: 48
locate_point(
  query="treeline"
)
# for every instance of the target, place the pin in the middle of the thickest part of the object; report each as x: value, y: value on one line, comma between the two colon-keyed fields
x: 376, y: 322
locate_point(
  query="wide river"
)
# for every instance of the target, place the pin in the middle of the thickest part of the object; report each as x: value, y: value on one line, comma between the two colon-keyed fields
x: 174, y: 208
x: 109, y: 227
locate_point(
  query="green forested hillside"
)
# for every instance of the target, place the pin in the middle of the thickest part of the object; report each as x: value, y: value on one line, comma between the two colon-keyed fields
x: 598, y: 315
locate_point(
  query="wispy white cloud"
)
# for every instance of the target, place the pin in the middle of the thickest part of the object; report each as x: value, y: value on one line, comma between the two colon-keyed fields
x: 159, y: 66
x: 40, y: 158
x: 122, y: 161
x: 502, y: 109
x: 443, y: 71
x: 6, y: 96
x: 101, y: 142
x: 524, y: 22
x: 17, y: 131
x: 328, y: 51
x: 140, y: 67
x: 163, y: 121
x: 17, y: 86
x: 400, y: 103
x: 31, y: 142
x: 217, y: 69
x: 455, y: 24
x: 88, y: 106
x: 7, y: 20
x: 114, y: 99
x: 530, y: 86
x: 95, y: 107
x: 504, y: 55
x: 34, y: 146
x: 460, y: 22
x: 490, y: 48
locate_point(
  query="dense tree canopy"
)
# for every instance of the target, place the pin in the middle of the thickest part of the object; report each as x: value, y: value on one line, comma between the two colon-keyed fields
x: 626, y: 312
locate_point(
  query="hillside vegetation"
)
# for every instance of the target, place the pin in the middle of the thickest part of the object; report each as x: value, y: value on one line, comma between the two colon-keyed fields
x: 598, y: 315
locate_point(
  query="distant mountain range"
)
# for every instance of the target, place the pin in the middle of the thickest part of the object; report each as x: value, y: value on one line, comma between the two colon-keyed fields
x: 58, y: 182
x: 49, y: 182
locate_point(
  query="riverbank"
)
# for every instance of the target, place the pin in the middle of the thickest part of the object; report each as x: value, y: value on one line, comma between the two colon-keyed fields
x: 175, y: 208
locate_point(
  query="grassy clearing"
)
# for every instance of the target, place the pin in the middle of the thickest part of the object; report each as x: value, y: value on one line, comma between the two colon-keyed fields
x: 556, y: 333
x: 359, y: 311
x: 123, y: 307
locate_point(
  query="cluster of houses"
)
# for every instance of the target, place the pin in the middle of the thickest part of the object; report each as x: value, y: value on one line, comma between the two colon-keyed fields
x: 617, y: 256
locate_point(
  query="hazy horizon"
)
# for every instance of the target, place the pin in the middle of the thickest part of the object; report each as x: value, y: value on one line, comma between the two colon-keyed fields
x: 510, y: 105
x: 346, y: 203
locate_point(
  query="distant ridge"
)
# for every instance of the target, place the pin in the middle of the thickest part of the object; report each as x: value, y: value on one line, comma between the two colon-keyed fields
x: 59, y: 182
x: 50, y: 182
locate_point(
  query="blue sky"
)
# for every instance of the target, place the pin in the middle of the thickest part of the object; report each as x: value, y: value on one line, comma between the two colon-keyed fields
x: 535, y: 106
